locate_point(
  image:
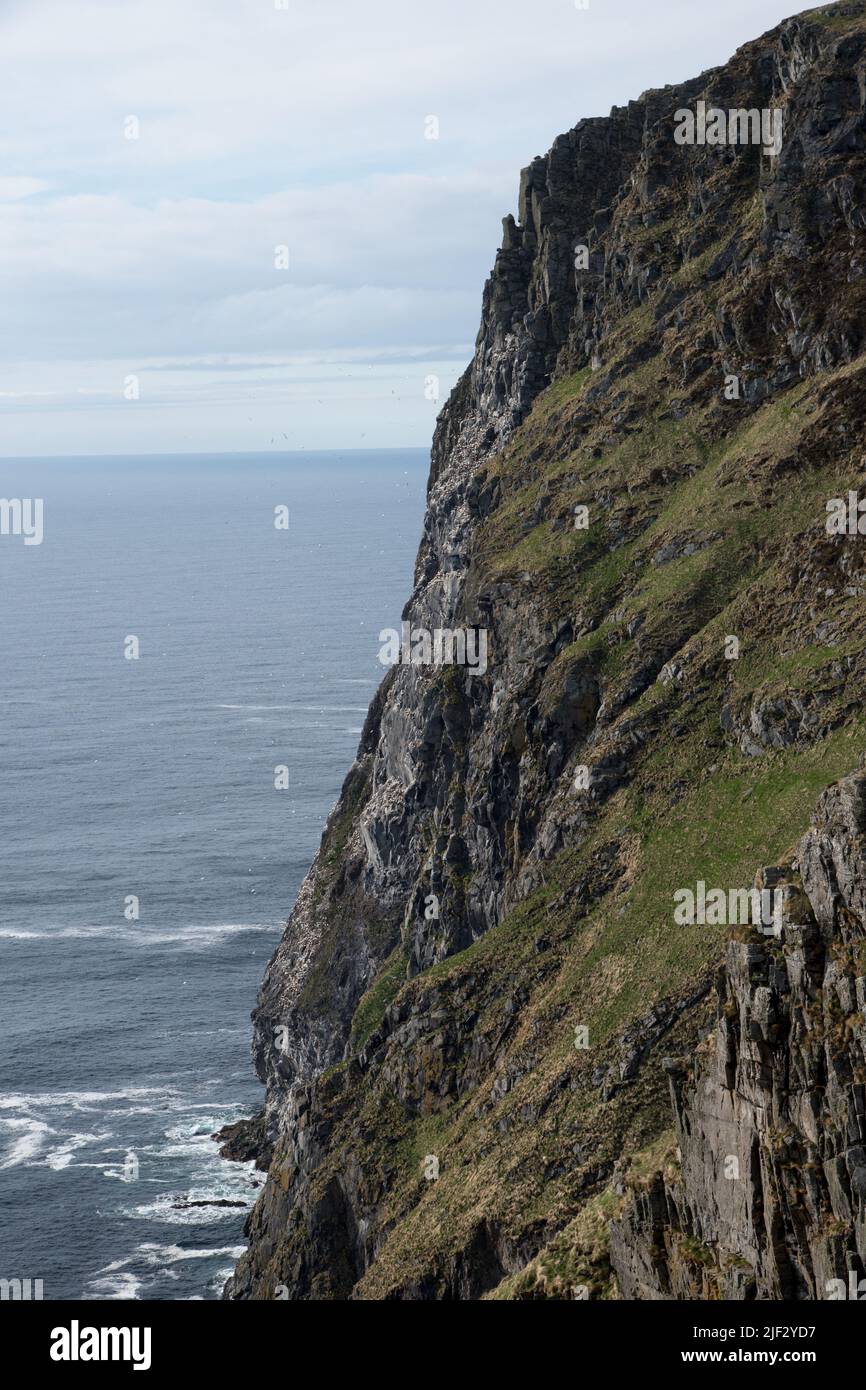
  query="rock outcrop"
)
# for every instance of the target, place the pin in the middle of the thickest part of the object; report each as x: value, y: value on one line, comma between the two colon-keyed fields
x: 459, y: 1034
x: 771, y: 1114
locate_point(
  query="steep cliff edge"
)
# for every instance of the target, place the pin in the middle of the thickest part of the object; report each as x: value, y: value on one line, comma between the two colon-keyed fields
x: 460, y: 1033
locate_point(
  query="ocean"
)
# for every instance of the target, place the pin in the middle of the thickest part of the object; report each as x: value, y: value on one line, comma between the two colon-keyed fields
x: 147, y: 859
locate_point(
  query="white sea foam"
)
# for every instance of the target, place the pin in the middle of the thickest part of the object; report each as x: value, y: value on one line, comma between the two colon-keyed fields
x: 30, y: 1140
x: 156, y: 1254
x: 56, y: 933
x: 201, y: 935
x: 299, y: 709
x: 257, y: 707
x: 201, y: 1127
x: 79, y: 1100
x: 121, y: 1285
x: 182, y: 1148
x: 333, y: 709
x: 61, y: 1157
x: 134, y: 934
x: 164, y: 1211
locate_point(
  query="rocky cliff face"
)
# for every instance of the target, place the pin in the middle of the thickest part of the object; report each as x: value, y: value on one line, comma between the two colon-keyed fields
x: 460, y: 1033
x: 771, y: 1114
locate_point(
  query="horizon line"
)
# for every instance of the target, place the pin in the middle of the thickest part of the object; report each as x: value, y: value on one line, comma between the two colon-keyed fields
x: 224, y: 453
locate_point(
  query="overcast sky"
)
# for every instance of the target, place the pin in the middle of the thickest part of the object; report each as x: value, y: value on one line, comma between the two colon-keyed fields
x: 150, y: 264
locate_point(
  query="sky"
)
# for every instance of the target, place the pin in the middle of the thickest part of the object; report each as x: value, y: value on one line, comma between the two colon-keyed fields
x: 224, y: 224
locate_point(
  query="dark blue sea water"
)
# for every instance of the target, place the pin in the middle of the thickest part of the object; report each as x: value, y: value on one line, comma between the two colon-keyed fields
x: 125, y: 1043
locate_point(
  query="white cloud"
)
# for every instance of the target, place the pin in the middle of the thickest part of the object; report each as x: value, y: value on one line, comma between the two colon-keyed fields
x: 12, y: 188
x: 304, y: 127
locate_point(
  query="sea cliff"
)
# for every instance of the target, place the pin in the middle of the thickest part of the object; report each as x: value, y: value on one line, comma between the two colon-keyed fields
x: 494, y: 1064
